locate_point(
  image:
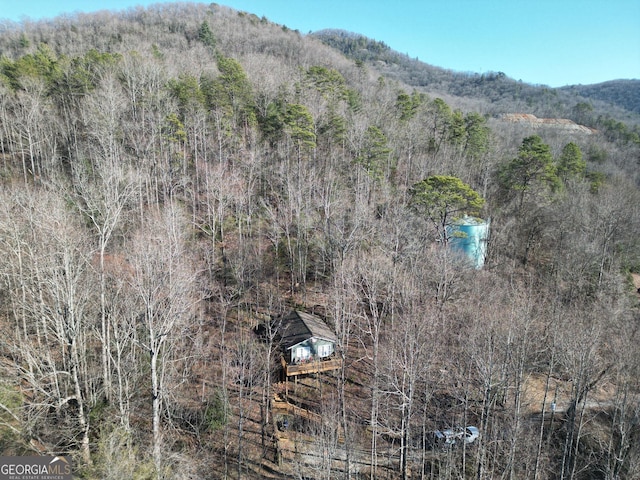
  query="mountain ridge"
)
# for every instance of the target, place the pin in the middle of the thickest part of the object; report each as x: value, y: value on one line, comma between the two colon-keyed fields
x: 622, y: 100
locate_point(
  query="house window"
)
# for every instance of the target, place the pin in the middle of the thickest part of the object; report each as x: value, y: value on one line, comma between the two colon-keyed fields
x: 302, y: 353
x: 324, y: 350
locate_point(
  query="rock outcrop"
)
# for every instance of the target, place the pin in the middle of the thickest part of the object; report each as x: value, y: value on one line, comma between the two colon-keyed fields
x: 561, y: 123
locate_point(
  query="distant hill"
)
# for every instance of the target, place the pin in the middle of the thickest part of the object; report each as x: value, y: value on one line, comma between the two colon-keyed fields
x: 623, y: 93
x: 619, y: 99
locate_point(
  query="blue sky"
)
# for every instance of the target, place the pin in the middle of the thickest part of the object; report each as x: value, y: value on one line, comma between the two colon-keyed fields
x: 551, y: 42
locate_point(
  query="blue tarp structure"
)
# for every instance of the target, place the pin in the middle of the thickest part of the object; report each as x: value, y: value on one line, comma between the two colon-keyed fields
x: 469, y: 236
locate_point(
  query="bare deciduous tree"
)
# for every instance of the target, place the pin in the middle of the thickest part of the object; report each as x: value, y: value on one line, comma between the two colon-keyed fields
x: 165, y: 284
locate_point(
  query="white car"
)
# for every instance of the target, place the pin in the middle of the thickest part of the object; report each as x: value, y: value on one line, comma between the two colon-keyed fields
x: 451, y: 435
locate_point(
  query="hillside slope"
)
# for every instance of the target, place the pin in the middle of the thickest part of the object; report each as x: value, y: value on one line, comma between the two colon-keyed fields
x: 504, y: 95
x: 174, y: 180
x: 623, y: 93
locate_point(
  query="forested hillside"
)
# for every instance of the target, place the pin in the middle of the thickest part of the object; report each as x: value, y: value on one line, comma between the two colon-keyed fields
x: 624, y: 93
x: 496, y: 92
x: 175, y: 179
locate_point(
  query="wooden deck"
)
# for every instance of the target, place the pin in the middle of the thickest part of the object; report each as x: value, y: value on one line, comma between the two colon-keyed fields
x: 314, y: 366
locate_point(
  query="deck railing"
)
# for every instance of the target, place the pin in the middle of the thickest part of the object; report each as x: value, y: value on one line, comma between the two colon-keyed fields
x: 311, y: 366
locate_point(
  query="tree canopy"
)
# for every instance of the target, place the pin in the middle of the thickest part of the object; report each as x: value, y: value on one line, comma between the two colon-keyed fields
x: 442, y: 199
x: 533, y: 167
x: 571, y: 163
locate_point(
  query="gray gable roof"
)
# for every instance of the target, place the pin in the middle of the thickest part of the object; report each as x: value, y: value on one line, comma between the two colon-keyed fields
x: 297, y: 327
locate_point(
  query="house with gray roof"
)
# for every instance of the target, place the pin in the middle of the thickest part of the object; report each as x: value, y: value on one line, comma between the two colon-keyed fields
x: 307, y: 343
